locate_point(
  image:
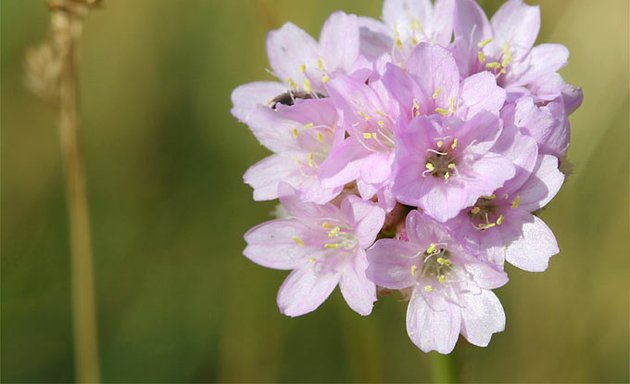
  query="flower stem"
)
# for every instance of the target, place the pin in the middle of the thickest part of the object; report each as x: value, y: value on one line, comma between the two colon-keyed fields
x: 83, y: 302
x: 443, y: 368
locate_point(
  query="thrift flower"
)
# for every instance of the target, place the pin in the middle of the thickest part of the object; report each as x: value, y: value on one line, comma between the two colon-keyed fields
x: 502, y: 226
x: 451, y: 287
x: 444, y: 166
x: 300, y: 136
x: 323, y: 245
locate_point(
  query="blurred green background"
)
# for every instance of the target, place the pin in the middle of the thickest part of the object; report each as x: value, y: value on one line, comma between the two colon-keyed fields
x: 177, y: 302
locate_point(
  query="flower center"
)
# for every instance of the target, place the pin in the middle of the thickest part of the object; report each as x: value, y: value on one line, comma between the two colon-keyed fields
x: 441, y: 162
x: 436, y: 265
x: 486, y: 213
x: 340, y: 237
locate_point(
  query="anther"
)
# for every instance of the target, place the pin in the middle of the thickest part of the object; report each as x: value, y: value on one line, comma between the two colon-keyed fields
x: 484, y: 43
x: 500, y: 220
x: 481, y: 57
x: 516, y: 201
x: 428, y: 288
x: 429, y: 166
x: 298, y: 241
x: 432, y: 248
x: 437, y: 93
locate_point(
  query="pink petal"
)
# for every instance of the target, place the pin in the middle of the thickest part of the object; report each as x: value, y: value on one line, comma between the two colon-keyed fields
x: 434, y: 68
x: 516, y: 24
x: 543, y: 185
x: 374, y: 37
x: 339, y: 41
x: 443, y: 202
x: 288, y: 48
x: 248, y: 96
x: 485, y: 275
x: 265, y: 175
x: 367, y: 217
x: 343, y: 165
x: 470, y: 26
x: 544, y: 59
x: 390, y: 263
x: 291, y: 200
x: 481, y: 92
x: 532, y: 251
x: 272, y: 244
x: 305, y: 290
x: 482, y: 316
x: 357, y: 290
x: 432, y: 330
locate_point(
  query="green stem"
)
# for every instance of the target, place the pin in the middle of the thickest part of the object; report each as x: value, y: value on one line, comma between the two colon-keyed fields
x: 443, y: 368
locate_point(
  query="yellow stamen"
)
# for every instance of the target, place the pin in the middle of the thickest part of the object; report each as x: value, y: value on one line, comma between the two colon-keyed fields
x: 429, y: 166
x: 481, y: 57
x: 309, y: 159
x: 440, y: 143
x: 320, y: 137
x: 442, y: 111
x: 325, y: 78
x: 446, y: 176
x: 487, y: 226
x: 428, y: 288
x: 431, y: 249
x: 333, y: 232
x: 451, y: 166
x: 451, y: 106
x: 507, y: 58
x: 320, y: 64
x: 303, y: 68
x: 295, y: 132
x: 381, y: 123
x: 298, y: 241
x: 291, y: 83
x: 500, y: 220
x: 331, y: 245
x: 493, y: 65
x: 488, y: 197
x: 415, y: 110
x: 437, y: 93
x: 367, y: 135
x: 309, y: 125
x: 441, y: 279
x: 364, y: 115
x: 454, y: 143
x: 516, y: 201
x: 307, y: 86
x: 311, y: 260
x: 414, y: 268
x: 325, y: 225
x: 475, y: 210
x: 484, y: 43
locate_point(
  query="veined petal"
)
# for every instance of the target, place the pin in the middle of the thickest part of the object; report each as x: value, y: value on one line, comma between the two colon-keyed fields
x: 532, y: 251
x: 375, y: 38
x: 288, y: 48
x: 543, y: 184
x: 249, y: 96
x: 305, y: 290
x: 272, y: 244
x: 265, y: 175
x: 343, y: 165
x: 436, y: 73
x: 367, y: 217
x: 544, y: 59
x: 339, y: 41
x: 357, y: 290
x: 390, y: 263
x: 482, y: 316
x: 480, y: 92
x: 432, y: 330
x: 516, y: 24
x: 471, y: 26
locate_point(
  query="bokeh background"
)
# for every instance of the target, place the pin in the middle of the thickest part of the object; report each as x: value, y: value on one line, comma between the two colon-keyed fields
x: 177, y: 302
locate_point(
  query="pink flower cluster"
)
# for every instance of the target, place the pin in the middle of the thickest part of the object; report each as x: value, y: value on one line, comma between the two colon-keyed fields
x: 410, y: 154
